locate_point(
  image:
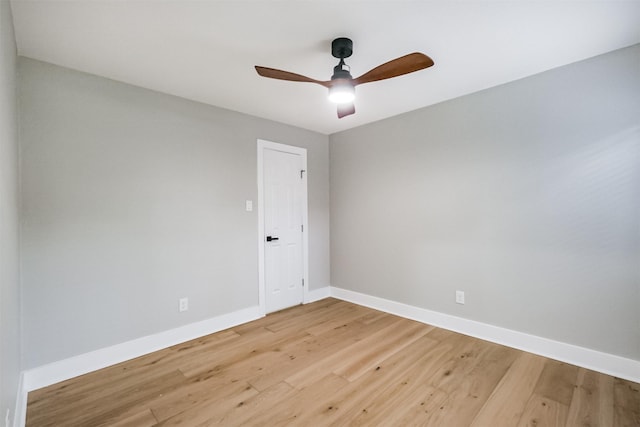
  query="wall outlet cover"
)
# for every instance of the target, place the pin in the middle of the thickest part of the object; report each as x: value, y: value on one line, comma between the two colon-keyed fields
x: 460, y: 297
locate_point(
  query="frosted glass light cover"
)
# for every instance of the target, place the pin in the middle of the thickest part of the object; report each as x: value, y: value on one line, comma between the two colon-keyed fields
x: 342, y: 93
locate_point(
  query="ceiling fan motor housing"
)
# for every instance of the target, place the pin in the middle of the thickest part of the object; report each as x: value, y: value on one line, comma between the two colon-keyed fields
x: 341, y: 47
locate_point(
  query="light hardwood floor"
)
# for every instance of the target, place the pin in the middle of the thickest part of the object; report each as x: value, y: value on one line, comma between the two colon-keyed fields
x: 336, y: 363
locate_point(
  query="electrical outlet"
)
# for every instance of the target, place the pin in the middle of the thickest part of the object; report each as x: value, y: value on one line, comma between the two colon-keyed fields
x: 184, y: 304
x: 460, y: 297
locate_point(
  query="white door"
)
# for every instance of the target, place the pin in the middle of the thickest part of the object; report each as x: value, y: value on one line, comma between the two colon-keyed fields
x: 283, y: 202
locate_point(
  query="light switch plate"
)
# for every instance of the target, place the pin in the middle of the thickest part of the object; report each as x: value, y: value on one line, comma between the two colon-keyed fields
x: 249, y: 205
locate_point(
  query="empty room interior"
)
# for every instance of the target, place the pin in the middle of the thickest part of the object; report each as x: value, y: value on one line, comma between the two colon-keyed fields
x: 200, y: 224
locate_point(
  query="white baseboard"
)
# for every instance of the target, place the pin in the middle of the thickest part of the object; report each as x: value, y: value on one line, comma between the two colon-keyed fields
x: 606, y: 363
x: 55, y: 372
x: 317, y: 294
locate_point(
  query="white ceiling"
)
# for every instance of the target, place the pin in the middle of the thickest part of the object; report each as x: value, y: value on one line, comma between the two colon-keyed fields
x: 205, y: 50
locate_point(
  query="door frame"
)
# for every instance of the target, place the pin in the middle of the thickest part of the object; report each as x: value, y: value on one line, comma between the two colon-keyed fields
x: 302, y: 152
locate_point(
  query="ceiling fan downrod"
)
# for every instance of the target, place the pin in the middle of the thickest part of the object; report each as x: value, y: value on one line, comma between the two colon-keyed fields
x: 341, y: 71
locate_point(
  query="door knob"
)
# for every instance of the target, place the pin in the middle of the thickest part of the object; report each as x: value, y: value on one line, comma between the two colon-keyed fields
x: 269, y: 238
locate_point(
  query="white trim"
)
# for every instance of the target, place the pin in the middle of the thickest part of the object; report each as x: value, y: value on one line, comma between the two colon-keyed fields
x: 61, y: 370
x: 20, y: 413
x: 302, y: 152
x: 261, y: 287
x: 591, y: 359
x: 317, y: 294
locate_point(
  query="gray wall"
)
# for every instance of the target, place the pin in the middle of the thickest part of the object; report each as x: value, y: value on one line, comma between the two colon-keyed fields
x: 525, y: 196
x: 9, y: 281
x: 133, y: 199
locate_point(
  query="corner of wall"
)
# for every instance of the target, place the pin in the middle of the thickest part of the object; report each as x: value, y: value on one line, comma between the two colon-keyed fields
x: 317, y: 294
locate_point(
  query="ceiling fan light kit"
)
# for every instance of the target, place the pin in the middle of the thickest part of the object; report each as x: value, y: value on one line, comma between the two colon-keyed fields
x: 342, y: 93
x: 342, y: 85
x: 342, y: 89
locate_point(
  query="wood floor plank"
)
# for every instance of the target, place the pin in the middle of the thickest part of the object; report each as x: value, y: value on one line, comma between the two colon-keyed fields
x: 291, y: 410
x: 374, y: 316
x: 626, y: 403
x: 339, y: 359
x: 544, y: 412
x: 300, y: 311
x: 195, y: 344
x: 140, y: 419
x: 592, y: 401
x: 309, y: 351
x: 470, y: 383
x: 197, y: 390
x: 240, y: 370
x: 263, y: 402
x: 412, y: 388
x: 557, y: 381
x: 440, y: 334
x: 80, y: 389
x: 311, y: 318
x: 426, y: 412
x: 129, y: 400
x: 253, y: 347
x: 211, y: 409
x: 333, y: 363
x: 109, y: 404
x: 351, y: 314
x: 507, y: 403
x: 383, y: 347
x: 424, y: 356
x: 469, y: 352
x: 390, y: 408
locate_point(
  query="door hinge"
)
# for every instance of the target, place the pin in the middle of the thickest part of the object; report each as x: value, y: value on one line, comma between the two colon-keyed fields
x: 303, y: 282
x: 302, y: 228
x: 302, y: 172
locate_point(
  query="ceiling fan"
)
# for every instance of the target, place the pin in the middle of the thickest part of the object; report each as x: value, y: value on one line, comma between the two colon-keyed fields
x: 342, y: 85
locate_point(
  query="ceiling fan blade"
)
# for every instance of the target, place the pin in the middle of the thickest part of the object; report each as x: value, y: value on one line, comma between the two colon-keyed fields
x: 396, y: 67
x: 272, y: 73
x: 346, y: 110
